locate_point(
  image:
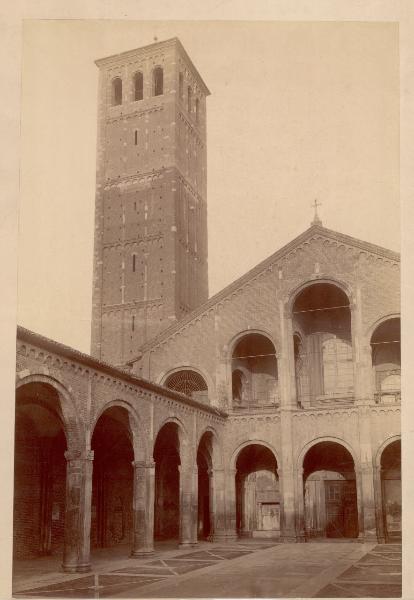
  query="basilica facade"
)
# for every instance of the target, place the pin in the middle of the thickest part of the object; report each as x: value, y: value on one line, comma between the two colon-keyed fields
x: 271, y: 409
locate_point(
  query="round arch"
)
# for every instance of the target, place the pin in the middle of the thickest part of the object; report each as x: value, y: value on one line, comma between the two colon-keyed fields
x: 239, y: 336
x: 218, y: 444
x: 344, y: 287
x: 372, y: 328
x: 257, y: 442
x: 139, y: 435
x: 383, y: 446
x: 182, y: 431
x: 340, y: 441
x: 67, y: 406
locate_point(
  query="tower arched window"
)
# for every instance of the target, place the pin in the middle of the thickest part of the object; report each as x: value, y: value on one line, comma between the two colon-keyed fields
x: 138, y: 86
x: 181, y: 85
x: 116, y: 91
x: 197, y: 110
x: 158, y: 81
x: 189, y: 98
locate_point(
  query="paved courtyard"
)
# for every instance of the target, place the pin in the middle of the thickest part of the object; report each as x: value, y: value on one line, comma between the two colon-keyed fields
x: 248, y: 568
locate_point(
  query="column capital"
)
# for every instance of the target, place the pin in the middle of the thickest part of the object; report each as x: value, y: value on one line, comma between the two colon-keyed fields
x: 188, y: 468
x: 367, y: 468
x: 86, y: 455
x: 141, y: 464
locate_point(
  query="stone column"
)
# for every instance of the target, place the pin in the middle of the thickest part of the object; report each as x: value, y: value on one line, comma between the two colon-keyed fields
x: 286, y: 368
x: 362, y: 357
x: 143, y: 509
x: 367, y: 525
x: 300, y: 507
x: 194, y: 507
x: 212, y: 504
x: 369, y: 531
x: 379, y: 505
x: 76, y: 553
x: 186, y: 493
x: 224, y: 484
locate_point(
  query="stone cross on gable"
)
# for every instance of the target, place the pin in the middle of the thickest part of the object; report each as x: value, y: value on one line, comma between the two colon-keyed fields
x: 316, y: 219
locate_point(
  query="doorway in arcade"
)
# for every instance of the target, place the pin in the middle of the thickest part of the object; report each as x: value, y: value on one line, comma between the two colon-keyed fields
x: 257, y: 493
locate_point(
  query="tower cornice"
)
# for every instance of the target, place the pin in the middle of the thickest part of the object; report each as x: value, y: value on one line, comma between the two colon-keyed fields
x: 145, y: 51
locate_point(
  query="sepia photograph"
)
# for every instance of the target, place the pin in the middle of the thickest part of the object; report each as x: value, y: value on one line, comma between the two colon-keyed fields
x: 208, y: 363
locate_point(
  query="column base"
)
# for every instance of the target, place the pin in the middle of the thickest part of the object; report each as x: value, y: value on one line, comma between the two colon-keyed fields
x: 141, y: 554
x: 369, y: 538
x: 185, y: 544
x: 223, y: 537
x: 77, y: 568
x: 291, y: 538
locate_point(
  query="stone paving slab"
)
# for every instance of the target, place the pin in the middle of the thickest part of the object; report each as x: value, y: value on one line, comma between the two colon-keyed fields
x: 242, y: 570
x: 378, y: 574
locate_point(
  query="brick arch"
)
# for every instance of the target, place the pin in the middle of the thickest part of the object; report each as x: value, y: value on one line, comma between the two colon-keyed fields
x: 239, y: 336
x: 257, y: 442
x: 383, y: 446
x: 342, y: 285
x: 139, y: 435
x: 217, y: 448
x: 314, y: 442
x: 72, y: 427
x: 371, y: 329
x: 183, y: 435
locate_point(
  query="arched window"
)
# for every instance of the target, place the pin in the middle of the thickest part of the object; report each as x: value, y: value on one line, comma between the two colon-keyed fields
x: 254, y: 373
x: 188, y: 382
x: 138, y: 86
x: 116, y: 91
x: 181, y: 85
x: 324, y: 371
x: 386, y: 361
x: 158, y: 81
x: 197, y: 110
x: 189, y: 98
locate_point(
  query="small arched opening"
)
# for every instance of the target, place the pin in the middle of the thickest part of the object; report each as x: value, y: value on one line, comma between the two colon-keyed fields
x: 116, y: 92
x: 391, y: 490
x: 254, y: 373
x: 39, y: 472
x: 330, y: 494
x: 158, y: 81
x: 112, y: 481
x: 138, y: 86
x: 321, y: 317
x: 257, y: 493
x: 188, y: 382
x: 386, y: 361
x: 167, y: 483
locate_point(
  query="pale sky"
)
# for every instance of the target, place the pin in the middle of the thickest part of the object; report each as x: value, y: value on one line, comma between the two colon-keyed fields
x: 298, y: 111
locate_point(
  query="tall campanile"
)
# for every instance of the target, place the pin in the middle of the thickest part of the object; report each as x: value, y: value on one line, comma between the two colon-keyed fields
x: 150, y: 254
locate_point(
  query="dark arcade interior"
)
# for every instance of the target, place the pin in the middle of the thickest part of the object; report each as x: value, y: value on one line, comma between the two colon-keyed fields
x: 39, y: 473
x: 167, y: 483
x: 330, y: 492
x: 112, y: 481
x: 257, y: 493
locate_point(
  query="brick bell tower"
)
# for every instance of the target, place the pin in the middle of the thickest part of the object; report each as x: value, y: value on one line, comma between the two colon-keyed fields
x: 150, y: 253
